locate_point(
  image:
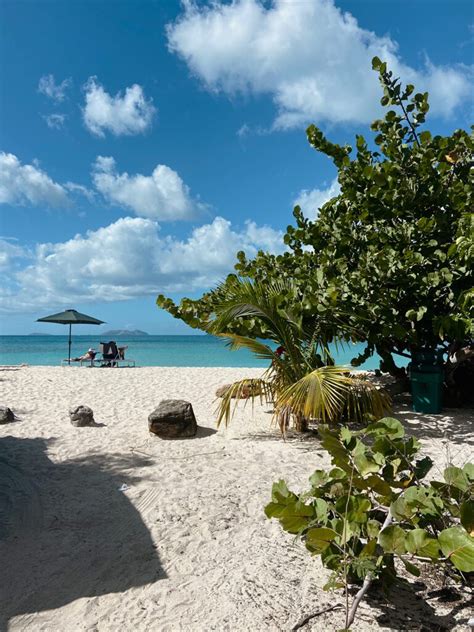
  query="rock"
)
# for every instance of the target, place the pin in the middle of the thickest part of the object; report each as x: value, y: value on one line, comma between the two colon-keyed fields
x: 81, y: 416
x: 6, y: 415
x: 173, y: 419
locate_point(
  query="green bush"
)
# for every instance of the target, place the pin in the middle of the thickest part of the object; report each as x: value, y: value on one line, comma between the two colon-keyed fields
x: 373, y: 507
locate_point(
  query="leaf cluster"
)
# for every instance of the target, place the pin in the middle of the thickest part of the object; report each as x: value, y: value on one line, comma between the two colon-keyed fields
x: 392, y: 255
x: 373, y: 506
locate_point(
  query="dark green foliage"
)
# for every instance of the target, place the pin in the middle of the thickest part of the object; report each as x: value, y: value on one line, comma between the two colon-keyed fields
x: 373, y: 506
x: 389, y: 261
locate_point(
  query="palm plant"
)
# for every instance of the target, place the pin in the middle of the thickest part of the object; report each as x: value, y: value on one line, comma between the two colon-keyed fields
x: 302, y: 382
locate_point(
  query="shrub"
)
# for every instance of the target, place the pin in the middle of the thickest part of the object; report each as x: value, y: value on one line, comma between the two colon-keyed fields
x: 373, y: 507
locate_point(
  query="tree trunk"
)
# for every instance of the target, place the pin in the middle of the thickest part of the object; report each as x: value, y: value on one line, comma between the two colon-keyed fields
x: 388, y: 364
x: 300, y: 423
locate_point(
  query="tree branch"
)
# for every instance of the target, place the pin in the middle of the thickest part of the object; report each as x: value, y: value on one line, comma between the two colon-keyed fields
x: 366, y: 585
x: 305, y: 620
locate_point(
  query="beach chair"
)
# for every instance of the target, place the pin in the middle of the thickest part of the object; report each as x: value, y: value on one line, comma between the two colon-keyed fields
x: 81, y: 361
x: 112, y: 355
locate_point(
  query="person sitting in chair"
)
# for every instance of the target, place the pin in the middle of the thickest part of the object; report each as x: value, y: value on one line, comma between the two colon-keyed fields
x: 111, y: 352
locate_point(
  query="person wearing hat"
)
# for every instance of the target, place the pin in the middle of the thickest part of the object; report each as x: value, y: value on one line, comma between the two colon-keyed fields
x: 89, y: 355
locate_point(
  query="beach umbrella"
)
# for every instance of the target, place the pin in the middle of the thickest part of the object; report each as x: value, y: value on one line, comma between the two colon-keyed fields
x: 70, y: 317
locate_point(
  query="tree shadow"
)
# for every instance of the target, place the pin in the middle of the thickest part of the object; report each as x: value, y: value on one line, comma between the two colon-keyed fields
x: 66, y: 531
x: 454, y: 424
x: 405, y: 609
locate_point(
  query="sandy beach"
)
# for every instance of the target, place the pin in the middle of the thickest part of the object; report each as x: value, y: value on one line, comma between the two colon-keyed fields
x: 111, y: 528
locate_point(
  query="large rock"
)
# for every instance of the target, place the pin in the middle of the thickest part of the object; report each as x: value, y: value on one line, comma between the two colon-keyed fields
x: 81, y: 416
x: 173, y: 419
x: 6, y: 415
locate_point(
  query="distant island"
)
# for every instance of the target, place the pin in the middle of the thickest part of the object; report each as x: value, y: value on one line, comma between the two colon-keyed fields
x: 116, y: 333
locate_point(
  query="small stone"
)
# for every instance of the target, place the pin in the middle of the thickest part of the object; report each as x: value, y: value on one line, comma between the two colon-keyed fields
x: 173, y: 419
x: 6, y: 415
x: 81, y: 416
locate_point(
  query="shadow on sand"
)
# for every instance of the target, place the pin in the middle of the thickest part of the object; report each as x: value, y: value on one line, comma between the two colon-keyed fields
x: 410, y: 607
x: 66, y: 531
x: 452, y: 424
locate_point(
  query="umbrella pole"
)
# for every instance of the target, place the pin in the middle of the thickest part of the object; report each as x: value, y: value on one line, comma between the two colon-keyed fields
x: 69, y: 354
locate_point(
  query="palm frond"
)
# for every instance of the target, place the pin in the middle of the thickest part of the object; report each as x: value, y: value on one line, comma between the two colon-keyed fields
x: 247, y: 389
x: 324, y: 394
x: 259, y: 349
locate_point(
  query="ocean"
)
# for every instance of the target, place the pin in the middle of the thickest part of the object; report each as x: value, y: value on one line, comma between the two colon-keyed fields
x: 196, y: 351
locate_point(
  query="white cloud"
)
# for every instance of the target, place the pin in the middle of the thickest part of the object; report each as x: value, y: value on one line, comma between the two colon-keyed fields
x: 127, y: 114
x: 28, y: 184
x: 311, y: 201
x: 130, y: 258
x: 162, y: 195
x: 311, y: 57
x: 9, y: 252
x: 56, y: 92
x: 55, y: 121
x: 81, y: 190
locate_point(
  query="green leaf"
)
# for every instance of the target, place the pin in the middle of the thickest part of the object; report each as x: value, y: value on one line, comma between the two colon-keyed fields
x: 392, y: 540
x: 467, y: 516
x: 421, y: 312
x: 281, y: 493
x: 386, y: 426
x: 354, y: 508
x: 376, y: 63
x: 419, y: 542
x: 422, y: 467
x: 318, y: 539
x: 295, y: 516
x: 456, y: 544
x: 362, y: 459
x: 281, y: 497
x: 318, y: 478
x: 424, y: 500
x: 468, y: 469
x: 378, y: 485
x: 411, y: 568
x: 400, y: 510
x: 455, y: 477
x: 373, y: 528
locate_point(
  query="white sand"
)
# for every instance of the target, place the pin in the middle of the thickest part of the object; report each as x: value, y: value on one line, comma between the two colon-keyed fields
x: 186, y: 546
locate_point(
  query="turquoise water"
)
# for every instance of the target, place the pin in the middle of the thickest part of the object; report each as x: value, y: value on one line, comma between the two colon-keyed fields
x: 146, y: 351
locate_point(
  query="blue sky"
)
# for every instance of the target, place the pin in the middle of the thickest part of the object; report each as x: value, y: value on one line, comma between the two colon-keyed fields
x: 143, y: 143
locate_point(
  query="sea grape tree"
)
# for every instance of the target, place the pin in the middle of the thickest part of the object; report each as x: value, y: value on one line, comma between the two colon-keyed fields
x: 393, y: 254
x: 373, y: 511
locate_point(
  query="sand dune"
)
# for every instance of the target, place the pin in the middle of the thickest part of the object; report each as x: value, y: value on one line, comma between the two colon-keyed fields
x: 185, y: 546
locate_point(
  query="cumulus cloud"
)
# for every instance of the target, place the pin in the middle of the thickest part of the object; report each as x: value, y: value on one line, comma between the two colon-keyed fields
x: 310, y: 201
x: 55, y: 121
x: 314, y: 59
x: 122, y: 115
x: 28, y: 184
x: 162, y: 195
x: 130, y: 258
x: 55, y: 91
x: 9, y: 252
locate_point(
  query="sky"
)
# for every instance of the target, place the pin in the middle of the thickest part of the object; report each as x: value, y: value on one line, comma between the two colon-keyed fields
x: 142, y: 144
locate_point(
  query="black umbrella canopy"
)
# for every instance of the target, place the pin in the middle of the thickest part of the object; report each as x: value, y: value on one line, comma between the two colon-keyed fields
x: 70, y: 317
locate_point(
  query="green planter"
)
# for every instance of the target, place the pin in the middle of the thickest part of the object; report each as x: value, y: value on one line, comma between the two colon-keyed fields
x: 427, y: 389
